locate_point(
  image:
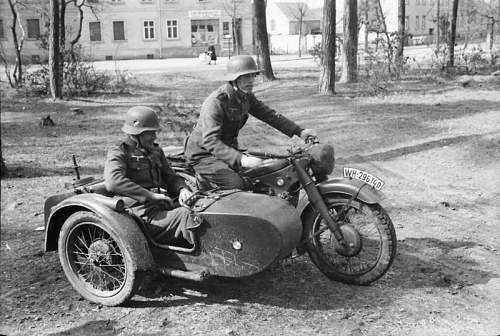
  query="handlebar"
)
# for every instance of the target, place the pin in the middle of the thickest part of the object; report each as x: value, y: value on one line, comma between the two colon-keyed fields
x: 267, y: 155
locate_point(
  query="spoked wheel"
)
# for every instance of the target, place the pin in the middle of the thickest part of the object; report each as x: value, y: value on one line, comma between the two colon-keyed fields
x: 98, y: 263
x: 369, y: 234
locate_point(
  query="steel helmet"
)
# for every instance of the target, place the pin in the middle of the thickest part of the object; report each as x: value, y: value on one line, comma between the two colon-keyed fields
x: 140, y: 119
x: 239, y: 66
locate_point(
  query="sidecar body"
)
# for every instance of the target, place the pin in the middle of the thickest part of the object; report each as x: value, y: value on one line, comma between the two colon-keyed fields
x: 240, y: 234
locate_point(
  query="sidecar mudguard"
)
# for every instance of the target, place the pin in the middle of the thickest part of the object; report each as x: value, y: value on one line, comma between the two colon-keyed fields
x: 241, y: 234
x: 120, y: 223
x: 344, y: 186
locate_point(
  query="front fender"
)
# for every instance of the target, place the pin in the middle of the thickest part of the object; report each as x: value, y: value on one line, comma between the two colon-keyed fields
x: 120, y: 223
x: 343, y: 186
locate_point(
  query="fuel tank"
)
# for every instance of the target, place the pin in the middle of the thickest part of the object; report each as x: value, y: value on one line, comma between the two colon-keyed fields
x: 241, y: 233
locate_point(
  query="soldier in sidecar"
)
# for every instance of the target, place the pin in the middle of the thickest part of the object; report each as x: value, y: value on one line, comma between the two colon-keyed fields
x: 110, y: 233
x: 138, y: 170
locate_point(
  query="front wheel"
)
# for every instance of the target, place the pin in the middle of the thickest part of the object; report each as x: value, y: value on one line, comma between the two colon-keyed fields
x: 100, y: 265
x: 369, y: 234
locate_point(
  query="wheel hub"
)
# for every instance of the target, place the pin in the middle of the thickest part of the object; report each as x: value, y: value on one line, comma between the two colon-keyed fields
x: 100, y: 252
x: 352, y: 240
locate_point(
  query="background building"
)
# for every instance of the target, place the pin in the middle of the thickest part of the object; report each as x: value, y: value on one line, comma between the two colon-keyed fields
x: 167, y: 28
x: 128, y: 29
x: 283, y: 26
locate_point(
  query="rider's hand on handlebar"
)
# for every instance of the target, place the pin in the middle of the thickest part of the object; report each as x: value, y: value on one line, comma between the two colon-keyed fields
x: 308, y: 135
x: 184, y: 195
x: 250, y: 161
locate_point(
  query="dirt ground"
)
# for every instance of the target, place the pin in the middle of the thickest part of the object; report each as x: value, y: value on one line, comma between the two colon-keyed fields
x: 434, y: 143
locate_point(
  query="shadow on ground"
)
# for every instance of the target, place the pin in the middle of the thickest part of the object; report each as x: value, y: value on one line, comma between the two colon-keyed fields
x: 299, y: 285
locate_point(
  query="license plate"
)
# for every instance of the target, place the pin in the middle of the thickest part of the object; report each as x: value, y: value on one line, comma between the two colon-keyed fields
x: 361, y: 175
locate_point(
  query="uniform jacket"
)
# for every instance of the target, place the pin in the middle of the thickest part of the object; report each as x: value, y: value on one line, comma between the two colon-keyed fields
x: 222, y: 115
x: 132, y: 172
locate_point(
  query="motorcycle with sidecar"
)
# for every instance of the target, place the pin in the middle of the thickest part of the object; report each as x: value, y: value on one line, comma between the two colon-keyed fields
x: 107, y: 252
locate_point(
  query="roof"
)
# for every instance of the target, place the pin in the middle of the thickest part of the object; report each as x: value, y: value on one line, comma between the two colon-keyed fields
x: 291, y: 11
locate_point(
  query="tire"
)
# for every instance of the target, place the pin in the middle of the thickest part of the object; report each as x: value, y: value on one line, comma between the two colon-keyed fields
x: 99, y: 264
x: 369, y: 230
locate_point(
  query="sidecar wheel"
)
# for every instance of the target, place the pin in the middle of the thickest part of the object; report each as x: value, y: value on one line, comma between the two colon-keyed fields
x: 97, y: 262
x: 366, y: 228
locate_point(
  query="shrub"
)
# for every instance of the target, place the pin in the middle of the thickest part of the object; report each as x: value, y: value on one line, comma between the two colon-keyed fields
x: 79, y: 78
x: 37, y: 82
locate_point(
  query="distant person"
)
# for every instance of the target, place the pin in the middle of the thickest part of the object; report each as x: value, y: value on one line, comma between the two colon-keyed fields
x: 212, y: 55
x: 137, y: 168
x: 212, y: 147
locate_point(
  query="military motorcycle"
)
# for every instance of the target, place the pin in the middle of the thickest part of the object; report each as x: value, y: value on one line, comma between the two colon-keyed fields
x: 107, y: 252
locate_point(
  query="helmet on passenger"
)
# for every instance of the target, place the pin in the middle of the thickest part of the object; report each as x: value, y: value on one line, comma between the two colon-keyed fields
x: 140, y: 119
x: 239, y: 66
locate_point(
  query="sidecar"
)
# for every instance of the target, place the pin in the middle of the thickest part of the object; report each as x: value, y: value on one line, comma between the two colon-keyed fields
x: 106, y: 251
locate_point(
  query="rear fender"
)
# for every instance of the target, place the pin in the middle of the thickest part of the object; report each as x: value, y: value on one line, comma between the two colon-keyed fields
x: 345, y: 187
x: 119, y: 223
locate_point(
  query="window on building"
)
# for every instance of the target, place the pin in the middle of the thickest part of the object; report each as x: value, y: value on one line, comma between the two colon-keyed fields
x: 407, y: 23
x: 206, y: 32
x: 95, y: 31
x: 147, y: 1
x: 117, y: 1
x: 417, y: 23
x: 226, y: 28
x: 423, y: 22
x: 118, y: 30
x: 2, y: 34
x: 407, y: 2
x: 33, y: 28
x: 172, y: 29
x: 149, y: 30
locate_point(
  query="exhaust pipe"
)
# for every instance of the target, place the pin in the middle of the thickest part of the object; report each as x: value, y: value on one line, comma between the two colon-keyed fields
x: 189, y: 275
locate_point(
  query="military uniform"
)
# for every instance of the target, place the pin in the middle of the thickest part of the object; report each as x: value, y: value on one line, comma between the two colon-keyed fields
x: 136, y: 173
x: 212, y: 147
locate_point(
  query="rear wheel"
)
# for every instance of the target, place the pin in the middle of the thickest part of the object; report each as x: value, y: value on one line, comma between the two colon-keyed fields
x: 369, y: 234
x: 99, y: 264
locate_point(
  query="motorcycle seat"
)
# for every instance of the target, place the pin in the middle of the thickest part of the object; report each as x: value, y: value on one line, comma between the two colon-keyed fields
x: 267, y: 166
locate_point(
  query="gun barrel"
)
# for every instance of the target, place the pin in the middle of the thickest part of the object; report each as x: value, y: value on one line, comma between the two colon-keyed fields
x: 75, y: 167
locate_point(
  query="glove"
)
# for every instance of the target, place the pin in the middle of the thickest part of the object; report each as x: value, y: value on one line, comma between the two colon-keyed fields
x: 308, y: 134
x: 250, y: 161
x: 184, y: 195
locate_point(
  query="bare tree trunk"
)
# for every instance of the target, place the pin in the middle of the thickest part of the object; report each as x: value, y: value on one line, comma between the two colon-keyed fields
x: 326, y: 83
x: 438, y: 25
x: 390, y: 50
x: 18, y: 44
x: 366, y: 25
x: 492, y: 34
x: 262, y: 38
x: 300, y: 37
x: 62, y: 27
x: 54, y: 51
x: 467, y: 34
x: 451, y: 43
x: 78, y: 33
x: 401, y: 29
x: 350, y: 45
x: 3, y: 167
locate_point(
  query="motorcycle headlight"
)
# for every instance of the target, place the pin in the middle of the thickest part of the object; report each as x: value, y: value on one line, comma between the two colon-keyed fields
x: 322, y: 160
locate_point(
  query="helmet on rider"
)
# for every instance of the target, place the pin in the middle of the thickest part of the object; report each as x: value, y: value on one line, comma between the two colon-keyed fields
x: 140, y: 119
x: 239, y: 66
